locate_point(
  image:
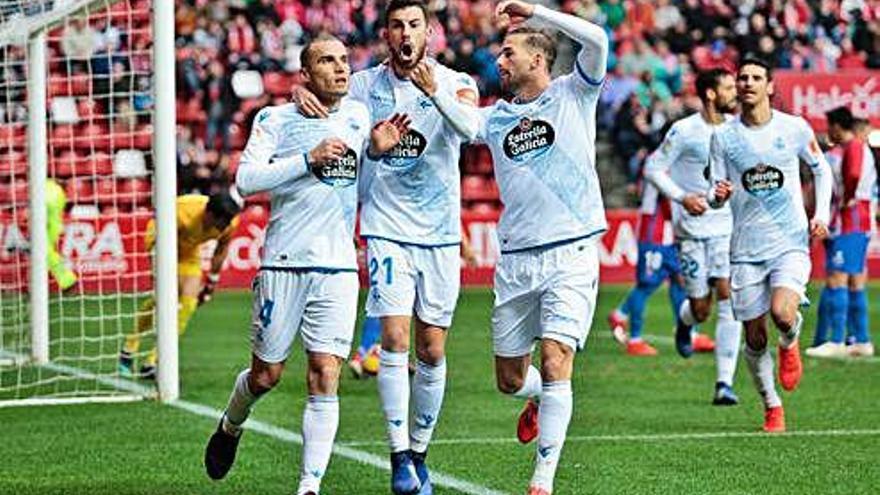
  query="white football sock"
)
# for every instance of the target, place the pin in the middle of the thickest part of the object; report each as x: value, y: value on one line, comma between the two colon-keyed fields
x: 239, y: 406
x: 786, y: 339
x: 320, y: 421
x: 393, y: 380
x: 554, y: 414
x: 685, y: 313
x: 428, y: 388
x: 531, y: 385
x: 728, y: 333
x: 760, y: 365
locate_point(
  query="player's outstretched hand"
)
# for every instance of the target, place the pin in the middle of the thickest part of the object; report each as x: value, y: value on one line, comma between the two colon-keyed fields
x: 695, y: 204
x: 423, y: 77
x: 206, y: 293
x: 723, y: 190
x: 513, y: 12
x: 387, y: 133
x: 308, y: 104
x: 327, y: 151
x: 818, y: 229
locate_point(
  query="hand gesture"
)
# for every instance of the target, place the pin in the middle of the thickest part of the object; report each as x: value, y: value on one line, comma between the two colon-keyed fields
x: 423, y: 77
x: 327, y: 151
x: 207, y: 292
x: 818, y: 229
x: 308, y: 104
x: 723, y: 190
x: 514, y: 11
x: 387, y: 133
x: 695, y: 204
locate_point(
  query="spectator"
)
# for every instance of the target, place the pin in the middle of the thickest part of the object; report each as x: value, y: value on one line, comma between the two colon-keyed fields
x: 218, y: 101
x: 78, y: 44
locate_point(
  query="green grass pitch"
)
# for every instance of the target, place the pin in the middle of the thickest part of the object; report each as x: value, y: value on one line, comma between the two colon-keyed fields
x: 640, y: 425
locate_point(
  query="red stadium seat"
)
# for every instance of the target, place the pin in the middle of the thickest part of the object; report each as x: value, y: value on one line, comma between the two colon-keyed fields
x: 93, y: 136
x: 106, y: 191
x: 484, y: 209
x: 13, y: 136
x: 13, y: 164
x: 473, y: 188
x: 135, y: 191
x: 62, y: 166
x: 237, y: 137
x: 80, y: 190
x: 277, y: 83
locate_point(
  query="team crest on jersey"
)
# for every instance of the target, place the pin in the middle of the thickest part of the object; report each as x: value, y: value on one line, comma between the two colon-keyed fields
x: 779, y: 143
x: 341, y: 173
x: 407, y: 151
x: 762, y: 179
x: 529, y: 139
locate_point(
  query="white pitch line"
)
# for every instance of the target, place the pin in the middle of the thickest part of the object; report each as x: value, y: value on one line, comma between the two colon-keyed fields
x: 380, y: 462
x: 662, y: 437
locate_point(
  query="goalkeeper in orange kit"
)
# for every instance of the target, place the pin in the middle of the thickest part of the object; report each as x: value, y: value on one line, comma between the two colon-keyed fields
x: 200, y: 219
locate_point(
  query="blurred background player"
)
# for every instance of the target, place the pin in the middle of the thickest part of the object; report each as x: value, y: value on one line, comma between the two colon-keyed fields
x: 546, y: 281
x: 843, y: 301
x: 679, y: 169
x: 755, y: 163
x: 56, y: 202
x: 307, y: 284
x: 200, y: 219
x: 657, y: 262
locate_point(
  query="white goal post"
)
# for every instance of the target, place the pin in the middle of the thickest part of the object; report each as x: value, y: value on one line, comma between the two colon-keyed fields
x: 87, y: 120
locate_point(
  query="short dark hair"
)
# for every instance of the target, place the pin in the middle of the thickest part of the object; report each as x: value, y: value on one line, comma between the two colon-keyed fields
x: 760, y: 62
x: 709, y: 79
x: 395, y: 5
x: 841, y: 116
x: 223, y: 206
x: 539, y: 40
x: 306, y: 53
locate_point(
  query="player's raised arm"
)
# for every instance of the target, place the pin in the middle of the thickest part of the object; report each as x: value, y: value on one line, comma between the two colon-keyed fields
x: 822, y: 179
x: 457, y: 104
x: 720, y: 187
x: 593, y: 57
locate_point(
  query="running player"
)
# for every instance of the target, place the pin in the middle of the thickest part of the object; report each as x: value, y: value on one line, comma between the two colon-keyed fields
x: 679, y: 170
x: 411, y: 218
x: 657, y: 262
x: 755, y: 163
x: 543, y: 147
x: 200, y: 219
x: 844, y: 299
x: 308, y: 278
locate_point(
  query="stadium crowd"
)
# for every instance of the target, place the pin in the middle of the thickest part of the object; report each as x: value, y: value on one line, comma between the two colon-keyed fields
x: 657, y: 46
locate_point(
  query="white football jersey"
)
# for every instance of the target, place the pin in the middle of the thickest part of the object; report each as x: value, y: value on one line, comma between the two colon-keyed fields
x: 545, y: 165
x: 412, y: 194
x: 763, y: 164
x: 313, y: 215
x: 684, y: 155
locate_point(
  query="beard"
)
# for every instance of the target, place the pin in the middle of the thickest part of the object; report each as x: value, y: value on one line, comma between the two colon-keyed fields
x: 407, y: 50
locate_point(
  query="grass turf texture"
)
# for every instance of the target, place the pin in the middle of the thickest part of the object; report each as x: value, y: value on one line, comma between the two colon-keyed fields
x: 149, y: 448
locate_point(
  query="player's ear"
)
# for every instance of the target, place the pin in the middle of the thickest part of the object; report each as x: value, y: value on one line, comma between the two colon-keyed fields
x: 770, y: 88
x: 383, y: 33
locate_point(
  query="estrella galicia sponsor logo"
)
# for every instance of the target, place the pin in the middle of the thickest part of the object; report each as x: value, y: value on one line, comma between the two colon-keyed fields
x: 762, y: 179
x: 407, y: 151
x: 529, y: 139
x: 341, y: 173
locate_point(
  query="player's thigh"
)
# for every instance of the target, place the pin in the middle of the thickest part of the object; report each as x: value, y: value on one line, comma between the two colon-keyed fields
x: 330, y: 312
x: 437, y: 284
x: 278, y: 304
x: 693, y: 258
x: 392, y: 279
x: 189, y: 285
x: 791, y: 271
x: 849, y: 253
x: 749, y: 290
x: 568, y: 301
x: 516, y: 315
x: 652, y: 267
x: 718, y: 258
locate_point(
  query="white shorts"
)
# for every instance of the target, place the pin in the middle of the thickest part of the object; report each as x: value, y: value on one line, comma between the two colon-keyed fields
x: 322, y: 306
x: 407, y: 279
x: 545, y: 293
x: 702, y: 260
x: 752, y: 284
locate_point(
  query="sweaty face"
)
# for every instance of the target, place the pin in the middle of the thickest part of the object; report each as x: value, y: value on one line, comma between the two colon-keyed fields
x: 752, y: 85
x: 407, y: 36
x: 514, y: 63
x: 725, y: 95
x: 328, y: 71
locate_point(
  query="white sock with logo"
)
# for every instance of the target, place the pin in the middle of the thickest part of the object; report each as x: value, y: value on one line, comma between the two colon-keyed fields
x: 554, y: 414
x: 320, y: 421
x: 393, y: 381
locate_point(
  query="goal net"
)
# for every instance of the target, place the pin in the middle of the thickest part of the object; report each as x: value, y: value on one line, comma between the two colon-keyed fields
x: 77, y: 182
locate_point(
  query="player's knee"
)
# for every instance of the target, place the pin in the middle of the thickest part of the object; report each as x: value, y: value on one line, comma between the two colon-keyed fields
x: 557, y: 365
x: 509, y: 383
x: 323, y: 378
x: 262, y: 381
x: 700, y: 309
x: 395, y: 338
x: 756, y: 336
x: 783, y: 314
x: 430, y: 352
